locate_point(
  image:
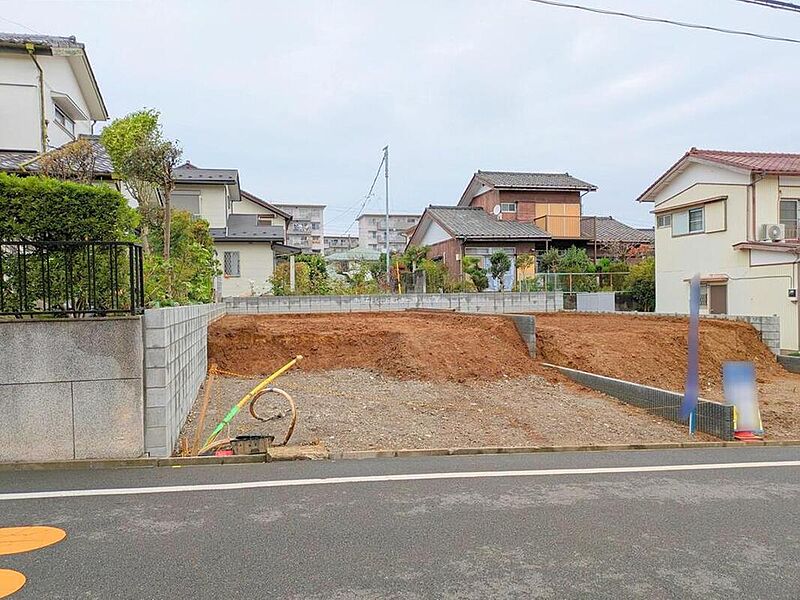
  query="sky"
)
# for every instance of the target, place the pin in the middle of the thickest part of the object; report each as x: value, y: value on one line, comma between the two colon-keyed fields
x: 302, y: 95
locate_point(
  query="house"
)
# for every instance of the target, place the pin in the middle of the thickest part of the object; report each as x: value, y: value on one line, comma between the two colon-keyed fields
x: 48, y: 93
x: 337, y: 243
x: 372, y: 231
x: 453, y: 232
x: 249, y: 233
x: 352, y: 259
x: 608, y: 238
x: 733, y: 218
x: 307, y: 227
x: 550, y: 201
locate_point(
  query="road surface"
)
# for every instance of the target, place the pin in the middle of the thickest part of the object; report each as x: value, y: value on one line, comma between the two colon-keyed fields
x: 714, y: 523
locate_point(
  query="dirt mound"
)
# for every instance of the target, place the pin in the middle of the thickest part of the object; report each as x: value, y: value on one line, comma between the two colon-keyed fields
x: 649, y: 350
x: 436, y: 347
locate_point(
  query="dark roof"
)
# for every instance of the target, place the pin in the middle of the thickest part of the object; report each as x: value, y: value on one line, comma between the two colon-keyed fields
x: 245, y: 228
x: 533, y: 181
x: 263, y: 203
x: 187, y: 172
x: 474, y: 223
x: 608, y: 229
x: 42, y: 41
x: 20, y: 161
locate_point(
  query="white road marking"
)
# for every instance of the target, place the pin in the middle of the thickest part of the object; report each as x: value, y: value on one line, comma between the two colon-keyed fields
x: 278, y: 483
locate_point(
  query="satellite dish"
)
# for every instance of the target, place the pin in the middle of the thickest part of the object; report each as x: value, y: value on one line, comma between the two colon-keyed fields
x: 496, y: 210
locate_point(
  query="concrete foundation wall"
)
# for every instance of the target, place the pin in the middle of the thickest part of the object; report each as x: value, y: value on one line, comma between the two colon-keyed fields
x: 71, y: 388
x: 790, y: 363
x: 175, y: 355
x: 507, y: 302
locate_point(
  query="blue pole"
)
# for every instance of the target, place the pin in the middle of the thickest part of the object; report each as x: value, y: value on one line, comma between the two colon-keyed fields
x: 690, y: 397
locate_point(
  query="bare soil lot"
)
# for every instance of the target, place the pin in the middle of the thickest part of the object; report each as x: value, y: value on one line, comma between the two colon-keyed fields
x: 652, y: 351
x: 358, y: 409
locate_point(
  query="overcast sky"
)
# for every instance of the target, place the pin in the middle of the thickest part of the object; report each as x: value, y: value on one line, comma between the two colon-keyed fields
x: 301, y: 96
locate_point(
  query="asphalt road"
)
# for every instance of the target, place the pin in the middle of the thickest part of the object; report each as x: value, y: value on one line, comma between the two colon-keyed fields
x: 560, y: 529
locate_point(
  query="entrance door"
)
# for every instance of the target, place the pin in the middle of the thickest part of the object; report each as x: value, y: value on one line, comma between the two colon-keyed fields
x: 718, y: 299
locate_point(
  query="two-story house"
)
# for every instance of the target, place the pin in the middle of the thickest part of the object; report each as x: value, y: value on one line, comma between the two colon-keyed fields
x: 249, y: 233
x: 733, y: 218
x: 48, y: 93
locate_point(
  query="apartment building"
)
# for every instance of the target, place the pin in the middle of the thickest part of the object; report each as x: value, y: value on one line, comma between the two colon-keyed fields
x: 372, y: 231
x: 337, y: 243
x: 306, y: 229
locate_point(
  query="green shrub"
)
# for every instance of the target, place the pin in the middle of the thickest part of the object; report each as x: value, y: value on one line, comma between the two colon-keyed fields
x: 641, y: 283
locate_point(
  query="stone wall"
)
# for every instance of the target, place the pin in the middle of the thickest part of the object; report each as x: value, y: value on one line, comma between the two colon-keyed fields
x: 71, y: 388
x: 506, y: 302
x: 175, y: 358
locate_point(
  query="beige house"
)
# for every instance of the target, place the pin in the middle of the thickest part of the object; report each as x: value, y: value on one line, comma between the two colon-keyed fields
x: 733, y: 218
x: 249, y: 233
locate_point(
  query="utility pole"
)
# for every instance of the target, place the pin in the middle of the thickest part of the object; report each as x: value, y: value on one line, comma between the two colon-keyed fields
x: 386, y: 174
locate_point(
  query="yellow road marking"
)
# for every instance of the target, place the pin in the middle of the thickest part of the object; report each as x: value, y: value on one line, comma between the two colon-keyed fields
x: 10, y: 582
x: 14, y: 540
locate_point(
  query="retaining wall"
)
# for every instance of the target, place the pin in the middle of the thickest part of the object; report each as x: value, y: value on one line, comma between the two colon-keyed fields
x: 790, y: 363
x: 501, y: 302
x: 715, y: 419
x: 71, y: 388
x: 176, y: 359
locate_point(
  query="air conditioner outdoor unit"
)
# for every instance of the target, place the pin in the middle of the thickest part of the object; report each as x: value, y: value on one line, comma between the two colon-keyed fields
x: 773, y: 232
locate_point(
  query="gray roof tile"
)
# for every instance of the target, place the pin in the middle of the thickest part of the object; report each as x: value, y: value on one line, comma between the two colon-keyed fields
x: 534, y: 181
x: 474, y: 223
x: 44, y: 41
x: 608, y: 229
x: 245, y: 227
x: 17, y: 160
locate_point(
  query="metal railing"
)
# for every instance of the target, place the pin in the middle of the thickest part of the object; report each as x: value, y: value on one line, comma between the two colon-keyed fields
x: 573, y: 282
x: 70, y: 279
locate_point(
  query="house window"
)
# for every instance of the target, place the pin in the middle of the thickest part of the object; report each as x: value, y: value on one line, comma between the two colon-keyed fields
x: 62, y: 119
x: 264, y: 220
x: 790, y: 216
x: 230, y: 262
x: 696, y: 220
x: 703, y: 297
x: 508, y: 207
x: 315, y: 226
x: 664, y: 221
x: 188, y: 201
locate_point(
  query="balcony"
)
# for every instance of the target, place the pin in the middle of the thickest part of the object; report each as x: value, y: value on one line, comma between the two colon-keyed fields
x: 560, y: 226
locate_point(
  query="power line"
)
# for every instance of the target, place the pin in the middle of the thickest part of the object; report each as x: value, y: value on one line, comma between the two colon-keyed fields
x: 776, y: 4
x: 647, y: 19
x: 369, y: 194
x: 19, y: 25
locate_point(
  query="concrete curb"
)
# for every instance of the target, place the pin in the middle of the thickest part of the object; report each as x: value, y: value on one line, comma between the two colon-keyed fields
x: 186, y: 461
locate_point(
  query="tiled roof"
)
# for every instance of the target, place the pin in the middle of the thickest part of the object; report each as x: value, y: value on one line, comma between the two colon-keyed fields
x: 43, y: 41
x: 18, y: 161
x: 534, y: 181
x: 474, y: 223
x: 779, y: 163
x: 246, y: 228
x: 608, y: 229
x: 189, y: 173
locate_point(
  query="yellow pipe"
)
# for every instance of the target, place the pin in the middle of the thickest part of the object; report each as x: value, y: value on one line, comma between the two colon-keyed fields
x: 247, y: 397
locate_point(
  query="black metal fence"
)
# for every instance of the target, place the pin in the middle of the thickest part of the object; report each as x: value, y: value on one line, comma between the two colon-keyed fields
x: 70, y: 279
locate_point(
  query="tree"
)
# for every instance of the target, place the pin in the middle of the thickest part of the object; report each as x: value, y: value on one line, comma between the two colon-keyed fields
x: 549, y: 261
x: 478, y: 275
x: 641, y: 283
x: 319, y: 282
x: 414, y: 255
x: 144, y: 160
x: 499, y: 264
x: 71, y: 162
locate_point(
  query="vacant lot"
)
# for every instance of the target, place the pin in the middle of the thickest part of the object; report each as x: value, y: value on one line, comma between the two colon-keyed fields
x: 652, y: 351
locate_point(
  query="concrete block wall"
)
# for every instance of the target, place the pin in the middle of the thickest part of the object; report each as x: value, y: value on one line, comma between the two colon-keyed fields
x: 494, y: 303
x: 175, y: 359
x: 712, y: 418
x: 526, y: 326
x: 71, y: 389
x: 790, y: 363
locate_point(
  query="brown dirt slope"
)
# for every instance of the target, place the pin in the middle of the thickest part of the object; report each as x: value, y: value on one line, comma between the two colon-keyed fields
x: 649, y: 350
x: 423, y: 346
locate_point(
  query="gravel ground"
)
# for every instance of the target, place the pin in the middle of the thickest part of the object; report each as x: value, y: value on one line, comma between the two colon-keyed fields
x: 356, y: 409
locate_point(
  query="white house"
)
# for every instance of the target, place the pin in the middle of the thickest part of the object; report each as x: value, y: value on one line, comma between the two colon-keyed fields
x: 733, y: 218
x: 48, y: 93
x: 249, y: 233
